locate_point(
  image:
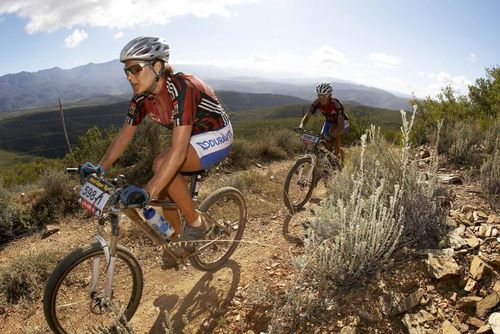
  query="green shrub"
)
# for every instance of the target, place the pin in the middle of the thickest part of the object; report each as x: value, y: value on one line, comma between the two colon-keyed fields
x: 460, y: 142
x: 149, y: 141
x: 91, y: 146
x: 59, y: 198
x: 288, y: 141
x: 24, y: 277
x: 490, y: 172
x: 269, y: 152
x: 26, y: 173
x: 246, y: 181
x: 15, y: 218
x: 242, y: 155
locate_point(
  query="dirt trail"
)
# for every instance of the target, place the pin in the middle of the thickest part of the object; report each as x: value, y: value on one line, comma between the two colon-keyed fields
x: 227, y: 301
x: 196, y: 301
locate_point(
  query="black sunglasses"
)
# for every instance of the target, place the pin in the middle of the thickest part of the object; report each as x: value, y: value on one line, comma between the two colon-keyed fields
x: 134, y: 69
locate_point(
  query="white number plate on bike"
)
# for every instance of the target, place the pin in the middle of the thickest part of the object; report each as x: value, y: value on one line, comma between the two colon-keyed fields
x: 310, y: 138
x: 94, y: 196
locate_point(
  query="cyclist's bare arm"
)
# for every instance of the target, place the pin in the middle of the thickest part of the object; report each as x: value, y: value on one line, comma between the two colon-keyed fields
x: 172, y: 160
x: 305, y: 119
x: 118, y: 145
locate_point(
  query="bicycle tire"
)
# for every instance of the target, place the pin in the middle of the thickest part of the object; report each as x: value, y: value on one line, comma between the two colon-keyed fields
x: 71, y: 281
x: 292, y: 202
x: 230, y: 222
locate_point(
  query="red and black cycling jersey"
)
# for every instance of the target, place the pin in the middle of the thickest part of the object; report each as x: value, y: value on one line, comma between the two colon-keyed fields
x: 183, y: 100
x: 330, y: 110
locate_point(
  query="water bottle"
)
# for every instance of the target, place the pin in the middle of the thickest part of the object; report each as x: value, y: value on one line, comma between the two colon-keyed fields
x: 160, y: 224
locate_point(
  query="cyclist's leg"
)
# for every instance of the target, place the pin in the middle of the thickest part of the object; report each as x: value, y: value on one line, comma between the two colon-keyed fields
x: 177, y: 190
x: 205, y: 150
x: 325, y: 132
x: 337, y: 142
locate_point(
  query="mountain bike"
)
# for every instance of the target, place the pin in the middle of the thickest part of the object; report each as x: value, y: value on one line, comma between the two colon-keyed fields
x: 317, y: 163
x: 89, y: 283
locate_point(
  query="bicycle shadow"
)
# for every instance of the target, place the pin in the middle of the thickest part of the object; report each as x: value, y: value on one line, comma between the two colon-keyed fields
x: 287, y: 234
x: 206, y: 295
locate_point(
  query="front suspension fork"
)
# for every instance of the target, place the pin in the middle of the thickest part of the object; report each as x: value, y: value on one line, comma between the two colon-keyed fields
x: 110, y: 256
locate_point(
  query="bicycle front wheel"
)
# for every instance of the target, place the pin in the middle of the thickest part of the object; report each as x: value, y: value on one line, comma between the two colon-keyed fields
x: 73, y: 304
x: 226, y: 211
x: 299, y: 184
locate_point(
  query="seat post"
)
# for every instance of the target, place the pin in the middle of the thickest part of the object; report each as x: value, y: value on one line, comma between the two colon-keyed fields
x: 194, y: 185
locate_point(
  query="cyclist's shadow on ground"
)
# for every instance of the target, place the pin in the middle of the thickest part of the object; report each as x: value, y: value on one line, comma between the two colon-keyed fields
x: 206, y: 295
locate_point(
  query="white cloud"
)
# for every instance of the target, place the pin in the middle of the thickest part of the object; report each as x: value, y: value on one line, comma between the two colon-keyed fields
x: 118, y: 35
x: 324, y: 61
x: 283, y: 62
x: 76, y: 37
x: 327, y: 61
x: 383, y: 60
x: 436, y: 81
x: 327, y: 57
x: 472, y: 57
x: 51, y: 15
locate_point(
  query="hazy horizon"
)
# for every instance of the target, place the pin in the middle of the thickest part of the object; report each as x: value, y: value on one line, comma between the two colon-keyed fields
x: 410, y: 46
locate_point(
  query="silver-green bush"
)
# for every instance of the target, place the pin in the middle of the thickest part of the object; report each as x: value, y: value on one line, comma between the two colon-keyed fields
x: 379, y: 202
x: 490, y: 172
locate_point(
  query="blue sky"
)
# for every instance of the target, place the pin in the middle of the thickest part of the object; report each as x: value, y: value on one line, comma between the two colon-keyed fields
x: 406, y: 46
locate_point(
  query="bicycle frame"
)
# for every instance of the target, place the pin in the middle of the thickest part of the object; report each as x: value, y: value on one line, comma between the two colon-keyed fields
x: 135, y: 217
x: 315, y: 151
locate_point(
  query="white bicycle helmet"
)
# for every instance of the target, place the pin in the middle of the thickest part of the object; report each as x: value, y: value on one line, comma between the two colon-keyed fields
x: 145, y: 48
x: 324, y: 88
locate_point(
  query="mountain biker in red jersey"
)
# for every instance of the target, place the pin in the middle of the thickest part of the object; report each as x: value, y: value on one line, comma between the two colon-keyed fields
x: 201, y: 130
x: 334, y: 114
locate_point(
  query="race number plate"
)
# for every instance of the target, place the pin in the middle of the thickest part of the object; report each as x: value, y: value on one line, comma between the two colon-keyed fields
x: 310, y: 138
x: 94, y: 196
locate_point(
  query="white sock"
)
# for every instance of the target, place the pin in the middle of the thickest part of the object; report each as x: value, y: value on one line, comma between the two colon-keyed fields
x: 197, y: 222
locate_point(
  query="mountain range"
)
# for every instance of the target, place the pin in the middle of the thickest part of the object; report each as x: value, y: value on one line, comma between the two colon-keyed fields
x: 94, y: 84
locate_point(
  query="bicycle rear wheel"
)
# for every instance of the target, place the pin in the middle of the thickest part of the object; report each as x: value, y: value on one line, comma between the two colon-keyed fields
x: 299, y: 184
x: 70, y: 306
x: 225, y: 210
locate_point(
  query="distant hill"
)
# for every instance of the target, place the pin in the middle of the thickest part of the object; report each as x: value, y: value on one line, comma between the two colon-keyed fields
x: 105, y: 82
x: 40, y: 133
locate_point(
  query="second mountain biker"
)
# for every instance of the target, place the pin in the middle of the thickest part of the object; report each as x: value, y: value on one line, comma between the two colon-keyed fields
x: 335, y: 117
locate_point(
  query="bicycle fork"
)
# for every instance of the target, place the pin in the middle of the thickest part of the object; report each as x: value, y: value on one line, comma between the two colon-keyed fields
x: 99, y: 302
x: 310, y: 172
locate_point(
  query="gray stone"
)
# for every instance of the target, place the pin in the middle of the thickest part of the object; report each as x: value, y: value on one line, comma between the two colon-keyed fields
x: 450, y: 179
x: 415, y: 322
x: 494, y: 322
x: 441, y: 266
x: 456, y: 241
x: 472, y: 242
x: 401, y: 305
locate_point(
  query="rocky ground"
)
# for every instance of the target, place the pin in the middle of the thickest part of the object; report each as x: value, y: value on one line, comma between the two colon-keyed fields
x: 450, y: 290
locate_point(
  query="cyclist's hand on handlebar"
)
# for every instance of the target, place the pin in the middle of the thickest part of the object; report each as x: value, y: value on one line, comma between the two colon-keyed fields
x: 89, y: 168
x: 133, y: 195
